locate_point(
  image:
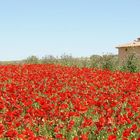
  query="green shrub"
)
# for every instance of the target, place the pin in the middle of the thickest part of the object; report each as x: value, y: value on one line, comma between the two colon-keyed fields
x: 107, y: 61
x: 32, y: 60
x: 131, y: 64
x: 49, y: 59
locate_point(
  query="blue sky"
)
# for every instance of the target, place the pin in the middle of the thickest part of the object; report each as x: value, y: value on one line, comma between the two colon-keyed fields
x: 75, y: 27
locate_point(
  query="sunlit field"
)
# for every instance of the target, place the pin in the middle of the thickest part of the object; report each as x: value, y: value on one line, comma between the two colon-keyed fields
x: 53, y: 102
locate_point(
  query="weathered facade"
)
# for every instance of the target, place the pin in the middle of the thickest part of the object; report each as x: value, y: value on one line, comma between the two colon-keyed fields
x: 128, y: 49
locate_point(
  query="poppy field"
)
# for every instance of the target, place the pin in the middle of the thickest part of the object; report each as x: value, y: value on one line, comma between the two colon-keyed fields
x: 53, y: 102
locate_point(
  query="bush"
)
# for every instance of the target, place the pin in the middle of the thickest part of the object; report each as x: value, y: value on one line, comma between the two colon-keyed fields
x: 107, y: 61
x: 95, y: 61
x: 131, y: 64
x: 49, y: 59
x: 32, y: 60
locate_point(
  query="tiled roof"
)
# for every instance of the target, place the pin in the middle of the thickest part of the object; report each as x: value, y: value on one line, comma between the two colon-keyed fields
x: 131, y: 44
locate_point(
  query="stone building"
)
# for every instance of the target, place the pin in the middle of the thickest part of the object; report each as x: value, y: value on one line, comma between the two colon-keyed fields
x: 125, y: 50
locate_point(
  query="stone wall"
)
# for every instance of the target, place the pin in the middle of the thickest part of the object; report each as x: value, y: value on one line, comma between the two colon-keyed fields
x: 124, y: 52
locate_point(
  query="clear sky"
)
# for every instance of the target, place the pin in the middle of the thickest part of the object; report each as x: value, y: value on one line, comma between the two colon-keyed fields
x: 74, y: 27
